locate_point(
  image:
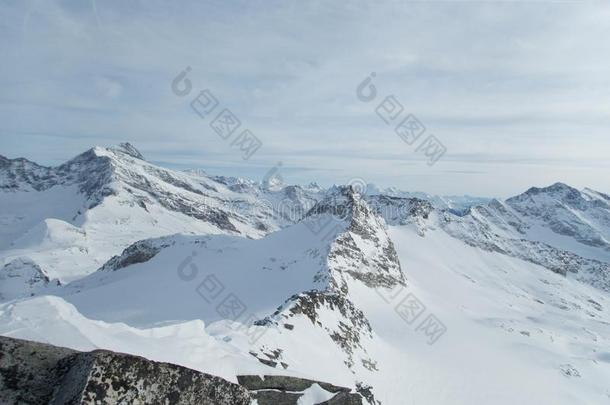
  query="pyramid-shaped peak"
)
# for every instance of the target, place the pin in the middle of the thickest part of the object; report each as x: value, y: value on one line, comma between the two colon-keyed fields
x: 553, y: 188
x: 337, y: 201
x: 129, y: 149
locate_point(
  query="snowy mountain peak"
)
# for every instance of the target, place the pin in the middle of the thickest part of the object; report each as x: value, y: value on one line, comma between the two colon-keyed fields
x: 22, y: 174
x: 128, y: 149
x: 560, y: 191
x: 555, y: 187
x: 361, y: 248
x: 568, y: 212
x: 558, y: 227
x: 338, y: 201
x: 559, y: 194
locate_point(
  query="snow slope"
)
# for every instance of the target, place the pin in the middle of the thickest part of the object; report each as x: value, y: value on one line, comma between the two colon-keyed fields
x: 516, y: 333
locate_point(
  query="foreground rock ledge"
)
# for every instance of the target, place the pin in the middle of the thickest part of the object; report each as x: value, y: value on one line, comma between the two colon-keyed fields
x: 37, y: 373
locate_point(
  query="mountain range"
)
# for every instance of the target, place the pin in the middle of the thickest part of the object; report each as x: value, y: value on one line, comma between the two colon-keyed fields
x: 404, y: 297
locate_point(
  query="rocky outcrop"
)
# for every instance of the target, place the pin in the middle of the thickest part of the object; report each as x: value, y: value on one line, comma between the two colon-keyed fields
x: 348, y: 333
x: 22, y: 277
x: 282, y: 390
x: 36, y: 373
x: 140, y: 252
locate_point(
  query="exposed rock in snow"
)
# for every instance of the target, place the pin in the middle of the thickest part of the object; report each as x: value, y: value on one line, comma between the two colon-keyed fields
x: 129, y: 149
x: 139, y: 252
x: 21, y: 278
x: 360, y: 251
x: 275, y: 389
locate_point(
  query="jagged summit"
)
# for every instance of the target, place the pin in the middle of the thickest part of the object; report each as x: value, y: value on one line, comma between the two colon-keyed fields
x: 129, y: 149
x: 338, y: 201
x: 123, y: 148
x: 91, y: 165
x: 557, y: 190
x: 361, y: 248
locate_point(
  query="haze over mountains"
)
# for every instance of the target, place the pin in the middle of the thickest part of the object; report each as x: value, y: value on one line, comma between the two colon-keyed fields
x: 406, y: 297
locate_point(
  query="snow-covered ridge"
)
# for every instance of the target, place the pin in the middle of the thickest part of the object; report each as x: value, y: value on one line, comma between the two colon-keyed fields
x: 360, y: 251
x: 558, y: 227
x: 584, y: 216
x: 111, y: 197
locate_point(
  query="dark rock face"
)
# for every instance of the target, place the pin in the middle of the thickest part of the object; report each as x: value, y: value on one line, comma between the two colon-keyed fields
x: 344, y: 398
x: 110, y: 377
x: 367, y: 393
x: 36, y: 373
x: 276, y: 398
x: 282, y: 390
x: 29, y: 372
x: 140, y: 252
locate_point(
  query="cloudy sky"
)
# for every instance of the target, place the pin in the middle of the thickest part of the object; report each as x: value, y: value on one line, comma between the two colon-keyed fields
x: 517, y: 91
